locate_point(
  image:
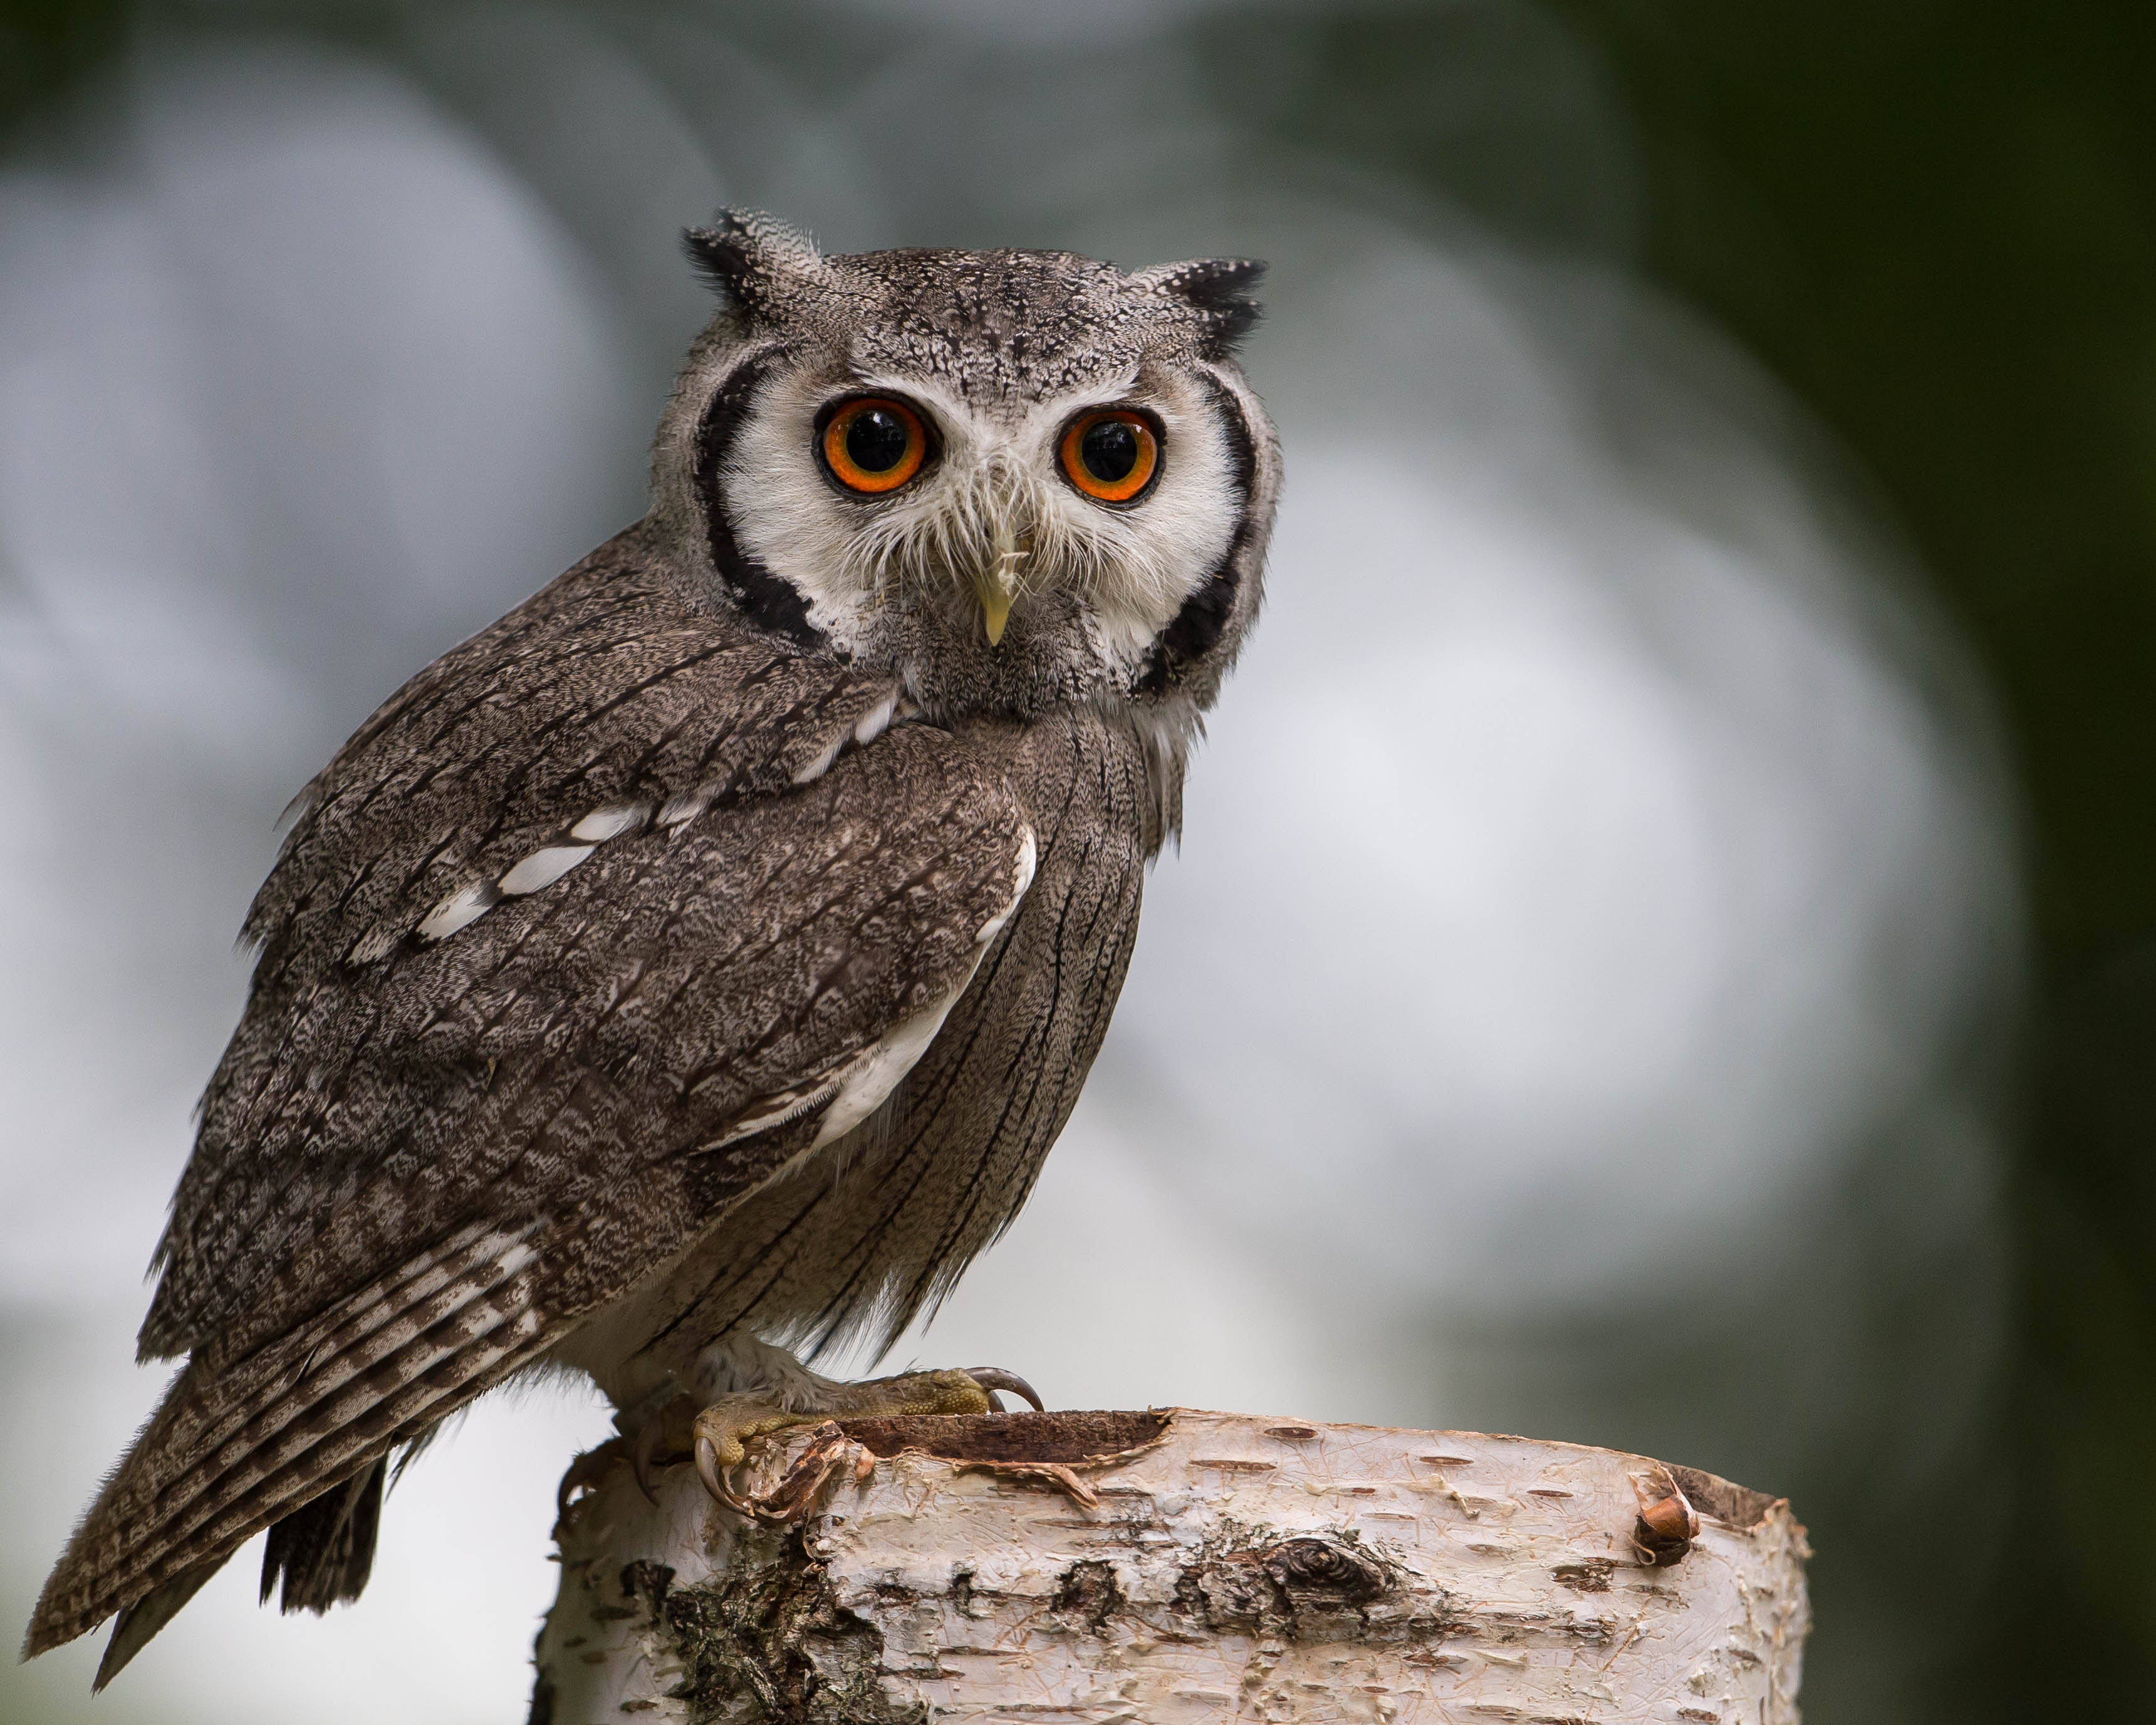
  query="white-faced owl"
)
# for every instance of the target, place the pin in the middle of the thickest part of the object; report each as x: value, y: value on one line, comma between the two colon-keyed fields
x: 697, y: 964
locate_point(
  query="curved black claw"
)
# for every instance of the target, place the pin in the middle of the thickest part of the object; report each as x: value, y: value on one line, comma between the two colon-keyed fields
x: 994, y: 1378
x: 584, y: 1475
x: 714, y: 1477
x: 641, y: 1454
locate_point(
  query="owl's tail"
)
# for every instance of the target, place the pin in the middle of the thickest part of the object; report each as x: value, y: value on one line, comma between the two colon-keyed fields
x: 323, y: 1552
x: 294, y: 1434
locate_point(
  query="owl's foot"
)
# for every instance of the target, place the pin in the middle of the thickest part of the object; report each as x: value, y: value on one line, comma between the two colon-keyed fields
x: 661, y: 1438
x: 583, y: 1477
x: 722, y: 1432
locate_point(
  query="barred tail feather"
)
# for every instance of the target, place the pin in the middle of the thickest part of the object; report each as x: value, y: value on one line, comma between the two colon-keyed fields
x: 324, y: 1551
x: 235, y: 1447
x: 135, y: 1624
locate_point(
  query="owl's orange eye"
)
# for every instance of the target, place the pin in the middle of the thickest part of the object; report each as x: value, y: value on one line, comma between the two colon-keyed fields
x: 1112, y: 454
x: 873, y: 444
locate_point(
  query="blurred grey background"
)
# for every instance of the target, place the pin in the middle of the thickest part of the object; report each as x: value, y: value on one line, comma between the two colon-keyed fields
x: 1593, y: 994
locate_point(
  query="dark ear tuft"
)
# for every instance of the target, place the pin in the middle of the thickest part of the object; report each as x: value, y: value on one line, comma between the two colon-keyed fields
x: 720, y: 254
x: 744, y: 254
x: 1218, y: 288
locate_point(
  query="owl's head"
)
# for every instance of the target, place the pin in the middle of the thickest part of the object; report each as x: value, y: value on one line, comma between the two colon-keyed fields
x: 1016, y: 480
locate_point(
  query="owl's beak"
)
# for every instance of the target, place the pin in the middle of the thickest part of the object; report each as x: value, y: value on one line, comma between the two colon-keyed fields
x: 996, y: 585
x: 995, y: 606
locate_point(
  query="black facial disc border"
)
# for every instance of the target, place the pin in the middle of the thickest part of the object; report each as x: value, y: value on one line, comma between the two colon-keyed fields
x: 1196, y: 630
x: 769, y: 600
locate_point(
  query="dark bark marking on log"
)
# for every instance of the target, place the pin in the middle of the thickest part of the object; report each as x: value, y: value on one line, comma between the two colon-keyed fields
x: 1305, y: 1587
x: 1325, y: 1568
x: 768, y: 1643
x: 1065, y: 1438
x: 1716, y: 1499
x: 647, y: 1582
x: 1591, y: 1575
x: 1087, y: 1593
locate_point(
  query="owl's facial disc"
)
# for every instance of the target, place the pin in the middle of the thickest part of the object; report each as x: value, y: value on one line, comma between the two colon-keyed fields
x: 1013, y: 480
x: 912, y: 517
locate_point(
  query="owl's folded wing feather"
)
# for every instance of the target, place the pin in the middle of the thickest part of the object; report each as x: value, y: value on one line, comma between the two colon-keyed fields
x: 601, y: 734
x: 421, y: 1166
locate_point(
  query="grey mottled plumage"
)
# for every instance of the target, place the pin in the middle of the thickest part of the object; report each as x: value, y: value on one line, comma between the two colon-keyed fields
x: 714, y: 945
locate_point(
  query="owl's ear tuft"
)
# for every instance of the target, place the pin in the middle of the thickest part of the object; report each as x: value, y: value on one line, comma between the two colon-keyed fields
x: 1219, y: 290
x: 749, y: 259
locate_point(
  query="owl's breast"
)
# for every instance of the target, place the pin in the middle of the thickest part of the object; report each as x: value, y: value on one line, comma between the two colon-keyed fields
x: 854, y: 1239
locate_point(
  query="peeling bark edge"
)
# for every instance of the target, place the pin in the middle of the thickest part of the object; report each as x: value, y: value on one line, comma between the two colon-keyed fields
x: 1225, y: 1568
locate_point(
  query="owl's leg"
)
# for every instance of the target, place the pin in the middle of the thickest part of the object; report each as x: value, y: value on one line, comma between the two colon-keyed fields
x: 786, y: 1393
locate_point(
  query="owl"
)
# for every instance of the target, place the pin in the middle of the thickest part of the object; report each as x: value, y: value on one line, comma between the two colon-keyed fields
x: 689, y: 973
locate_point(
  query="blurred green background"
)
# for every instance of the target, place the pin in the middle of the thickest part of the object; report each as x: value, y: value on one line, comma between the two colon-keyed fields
x: 1935, y: 223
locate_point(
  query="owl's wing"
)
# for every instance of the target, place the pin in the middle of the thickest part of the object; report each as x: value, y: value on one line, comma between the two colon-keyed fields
x: 601, y: 745
x: 425, y: 1159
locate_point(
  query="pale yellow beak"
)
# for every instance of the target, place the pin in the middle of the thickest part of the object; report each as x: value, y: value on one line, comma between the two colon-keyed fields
x: 996, y: 586
x: 995, y: 597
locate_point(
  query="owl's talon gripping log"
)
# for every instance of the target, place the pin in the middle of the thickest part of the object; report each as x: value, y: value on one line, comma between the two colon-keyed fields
x: 714, y: 1476
x: 642, y: 1453
x: 723, y: 1431
x: 992, y: 1378
x: 583, y: 1476
x: 721, y: 1444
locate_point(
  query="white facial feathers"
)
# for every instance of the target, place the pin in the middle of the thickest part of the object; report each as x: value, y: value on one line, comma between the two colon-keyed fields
x: 993, y: 497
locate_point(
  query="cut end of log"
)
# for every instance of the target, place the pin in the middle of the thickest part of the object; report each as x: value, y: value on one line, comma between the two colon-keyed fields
x: 1173, y: 1565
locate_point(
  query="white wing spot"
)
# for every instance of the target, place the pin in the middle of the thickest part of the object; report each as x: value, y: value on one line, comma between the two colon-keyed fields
x: 609, y: 821
x: 544, y: 867
x: 771, y: 1111
x: 1028, y: 858
x: 822, y: 764
x: 686, y: 807
x: 467, y: 904
x: 874, y: 723
x: 875, y: 1072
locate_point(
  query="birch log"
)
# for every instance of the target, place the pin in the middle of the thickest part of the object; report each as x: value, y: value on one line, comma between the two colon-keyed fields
x: 1176, y: 1566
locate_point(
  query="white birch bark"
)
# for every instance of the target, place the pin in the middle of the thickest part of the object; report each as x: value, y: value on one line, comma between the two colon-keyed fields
x: 1177, y: 1567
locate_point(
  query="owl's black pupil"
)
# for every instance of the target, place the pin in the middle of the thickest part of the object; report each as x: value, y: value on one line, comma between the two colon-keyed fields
x: 1109, y: 449
x: 876, y: 440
